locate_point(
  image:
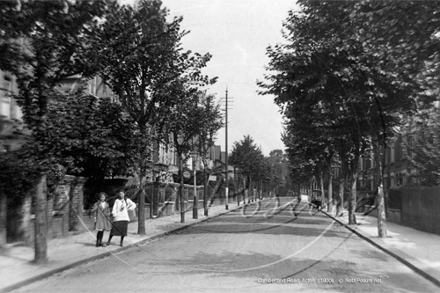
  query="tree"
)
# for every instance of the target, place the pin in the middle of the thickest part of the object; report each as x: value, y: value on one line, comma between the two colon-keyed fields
x: 212, y: 122
x: 422, y: 149
x: 139, y: 55
x: 277, y: 170
x: 409, y: 47
x: 248, y: 157
x: 185, y: 121
x: 43, y: 43
x: 324, y: 65
x: 91, y: 137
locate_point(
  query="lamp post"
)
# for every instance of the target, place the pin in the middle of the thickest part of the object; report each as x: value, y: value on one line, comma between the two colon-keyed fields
x: 195, y: 197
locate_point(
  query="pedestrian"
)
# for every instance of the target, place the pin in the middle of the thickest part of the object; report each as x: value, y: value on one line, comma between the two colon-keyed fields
x: 120, y: 217
x: 318, y: 202
x: 101, y: 209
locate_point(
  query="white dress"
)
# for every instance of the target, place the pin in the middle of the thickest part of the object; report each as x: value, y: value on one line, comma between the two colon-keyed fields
x: 121, y: 208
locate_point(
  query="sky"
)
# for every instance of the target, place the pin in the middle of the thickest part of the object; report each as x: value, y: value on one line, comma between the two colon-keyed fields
x: 236, y: 34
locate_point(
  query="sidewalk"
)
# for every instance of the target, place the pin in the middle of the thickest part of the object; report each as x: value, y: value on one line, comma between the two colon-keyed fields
x: 417, y: 249
x: 17, y: 270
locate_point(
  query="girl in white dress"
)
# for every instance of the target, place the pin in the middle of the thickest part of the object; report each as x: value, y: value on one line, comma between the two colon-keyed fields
x: 120, y: 217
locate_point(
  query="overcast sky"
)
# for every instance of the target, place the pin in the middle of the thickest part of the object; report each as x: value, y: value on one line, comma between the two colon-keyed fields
x: 237, y: 34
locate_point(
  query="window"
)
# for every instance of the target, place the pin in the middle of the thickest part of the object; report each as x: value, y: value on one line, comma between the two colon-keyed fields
x: 392, y: 154
x: 5, y: 98
x: 368, y: 164
x: 92, y: 86
x: 398, y: 149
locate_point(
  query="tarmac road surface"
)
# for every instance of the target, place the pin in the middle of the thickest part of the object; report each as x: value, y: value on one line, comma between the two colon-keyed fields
x: 267, y: 249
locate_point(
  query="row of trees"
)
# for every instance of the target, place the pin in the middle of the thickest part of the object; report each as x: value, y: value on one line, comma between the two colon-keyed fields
x: 258, y: 171
x: 346, y: 77
x: 137, y: 54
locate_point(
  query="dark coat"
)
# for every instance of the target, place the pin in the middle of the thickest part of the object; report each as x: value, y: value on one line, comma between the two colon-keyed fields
x: 102, y: 216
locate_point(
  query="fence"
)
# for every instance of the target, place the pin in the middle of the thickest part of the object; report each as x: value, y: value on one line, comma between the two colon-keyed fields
x: 419, y: 207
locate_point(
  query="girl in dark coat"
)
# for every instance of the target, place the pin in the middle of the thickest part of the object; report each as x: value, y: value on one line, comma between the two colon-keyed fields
x: 102, y: 218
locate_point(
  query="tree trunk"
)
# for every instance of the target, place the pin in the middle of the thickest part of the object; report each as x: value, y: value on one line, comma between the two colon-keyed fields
x: 340, y: 206
x: 381, y: 217
x: 3, y: 219
x: 330, y: 192
x: 151, y: 210
x: 205, y: 191
x: 245, y: 194
x: 236, y: 186
x: 250, y: 190
x: 40, y: 222
x: 182, y: 202
x: 353, y: 200
x: 141, y: 202
x: 26, y: 216
x: 142, y: 173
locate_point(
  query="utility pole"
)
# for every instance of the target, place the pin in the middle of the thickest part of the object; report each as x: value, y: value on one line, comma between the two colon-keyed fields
x: 226, y: 150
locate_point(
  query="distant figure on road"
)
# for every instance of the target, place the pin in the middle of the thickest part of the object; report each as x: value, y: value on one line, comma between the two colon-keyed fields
x: 316, y: 203
x: 120, y: 217
x: 101, y: 210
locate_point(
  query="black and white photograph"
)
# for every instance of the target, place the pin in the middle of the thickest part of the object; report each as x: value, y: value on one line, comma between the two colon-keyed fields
x: 219, y: 146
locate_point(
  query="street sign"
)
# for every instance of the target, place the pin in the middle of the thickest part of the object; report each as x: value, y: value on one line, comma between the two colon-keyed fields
x: 212, y: 178
x: 186, y: 174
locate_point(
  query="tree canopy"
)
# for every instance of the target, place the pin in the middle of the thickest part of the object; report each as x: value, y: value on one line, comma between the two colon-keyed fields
x: 346, y: 75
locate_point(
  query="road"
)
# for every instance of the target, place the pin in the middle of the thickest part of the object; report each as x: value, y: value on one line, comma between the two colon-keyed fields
x: 265, y: 249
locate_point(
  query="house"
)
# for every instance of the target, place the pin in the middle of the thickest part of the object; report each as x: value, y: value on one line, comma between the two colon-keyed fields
x: 10, y: 114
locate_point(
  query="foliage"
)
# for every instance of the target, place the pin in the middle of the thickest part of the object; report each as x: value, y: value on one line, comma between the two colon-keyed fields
x: 186, y: 120
x: 342, y: 73
x: 339, y: 79
x: 44, y: 42
x: 91, y: 137
x: 423, y: 150
x: 247, y: 156
x: 138, y: 55
x: 277, y: 167
x: 404, y: 36
x: 18, y: 174
x: 212, y: 123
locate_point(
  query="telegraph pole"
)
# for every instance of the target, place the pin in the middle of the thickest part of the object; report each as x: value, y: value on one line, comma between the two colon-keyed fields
x: 226, y: 150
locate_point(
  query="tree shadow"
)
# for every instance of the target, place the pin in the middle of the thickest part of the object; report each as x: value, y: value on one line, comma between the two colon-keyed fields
x: 282, y: 224
x: 377, y: 255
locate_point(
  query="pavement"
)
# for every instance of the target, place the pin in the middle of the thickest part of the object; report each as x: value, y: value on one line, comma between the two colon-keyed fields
x: 416, y: 249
